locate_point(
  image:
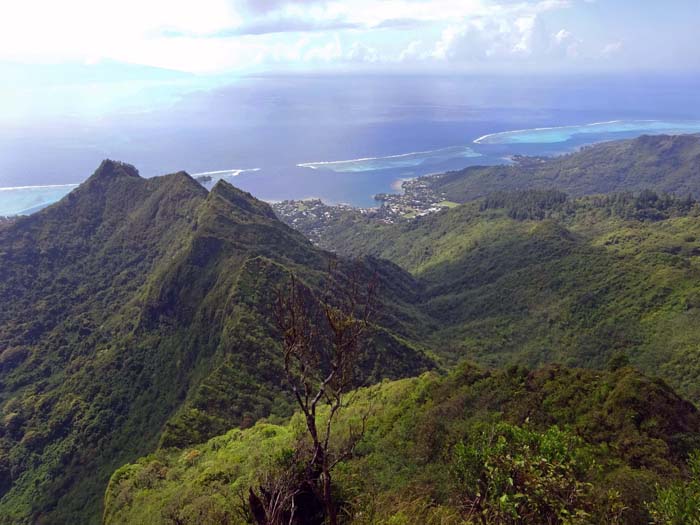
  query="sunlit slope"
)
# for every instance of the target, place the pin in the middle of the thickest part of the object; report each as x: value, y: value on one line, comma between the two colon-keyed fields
x: 628, y: 432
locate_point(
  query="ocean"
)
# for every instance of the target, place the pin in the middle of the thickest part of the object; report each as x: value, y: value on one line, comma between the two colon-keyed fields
x: 341, y: 138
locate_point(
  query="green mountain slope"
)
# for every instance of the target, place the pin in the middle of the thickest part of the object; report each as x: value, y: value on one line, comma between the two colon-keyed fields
x: 136, y: 313
x: 662, y: 163
x: 620, y: 432
x: 532, y: 277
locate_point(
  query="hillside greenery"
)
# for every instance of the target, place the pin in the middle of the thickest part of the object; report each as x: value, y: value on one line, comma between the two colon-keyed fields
x: 137, y: 323
x: 678, y: 502
x: 136, y: 315
x: 661, y: 163
x: 475, y: 446
x: 535, y: 276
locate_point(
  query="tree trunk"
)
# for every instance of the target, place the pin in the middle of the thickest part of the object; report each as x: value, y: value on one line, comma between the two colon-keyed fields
x: 331, y: 511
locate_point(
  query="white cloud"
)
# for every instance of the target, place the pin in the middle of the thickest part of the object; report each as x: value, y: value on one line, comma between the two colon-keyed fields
x: 414, y: 51
x: 485, y: 39
x: 566, y: 44
x: 612, y: 48
x: 328, y: 52
x: 359, y: 52
x: 74, y: 29
x: 222, y: 35
x: 518, y: 35
x: 562, y: 35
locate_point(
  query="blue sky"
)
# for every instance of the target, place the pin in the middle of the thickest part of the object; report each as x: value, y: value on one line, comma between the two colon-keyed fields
x: 239, y: 36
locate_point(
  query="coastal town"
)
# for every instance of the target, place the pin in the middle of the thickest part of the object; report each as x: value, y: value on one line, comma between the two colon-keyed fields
x: 417, y: 199
x: 311, y: 216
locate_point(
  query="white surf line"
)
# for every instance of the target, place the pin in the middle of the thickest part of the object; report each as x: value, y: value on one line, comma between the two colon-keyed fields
x: 314, y: 165
x: 43, y: 187
x: 568, y: 126
x: 234, y: 172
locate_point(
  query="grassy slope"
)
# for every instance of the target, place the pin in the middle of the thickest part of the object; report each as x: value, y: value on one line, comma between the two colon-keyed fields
x: 637, y: 429
x: 136, y: 315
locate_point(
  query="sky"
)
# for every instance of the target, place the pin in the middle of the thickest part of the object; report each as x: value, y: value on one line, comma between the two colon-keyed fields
x: 207, y: 37
x: 90, y: 58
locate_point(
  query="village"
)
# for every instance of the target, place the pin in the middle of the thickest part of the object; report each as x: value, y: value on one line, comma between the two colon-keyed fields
x: 312, y: 216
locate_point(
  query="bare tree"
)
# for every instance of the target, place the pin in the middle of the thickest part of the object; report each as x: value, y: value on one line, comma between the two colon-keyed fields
x: 322, y: 340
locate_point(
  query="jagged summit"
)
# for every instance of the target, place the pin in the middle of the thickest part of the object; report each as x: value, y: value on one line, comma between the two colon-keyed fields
x: 113, y: 168
x: 240, y: 199
x: 116, y: 189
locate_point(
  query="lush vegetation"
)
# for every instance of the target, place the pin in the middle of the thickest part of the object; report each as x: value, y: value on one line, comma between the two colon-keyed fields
x: 476, y: 446
x: 137, y: 320
x: 532, y: 277
x: 136, y: 313
x: 661, y: 163
x: 525, y: 205
x: 678, y: 503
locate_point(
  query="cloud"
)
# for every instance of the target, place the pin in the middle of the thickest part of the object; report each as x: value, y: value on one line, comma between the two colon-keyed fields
x: 329, y: 52
x: 243, y: 35
x: 36, y: 30
x: 611, y: 49
x: 279, y: 16
x: 401, y: 23
x: 413, y: 52
x: 519, y: 35
x: 270, y: 25
x: 562, y: 36
x: 359, y: 52
x: 486, y: 39
x: 567, y: 44
x: 266, y: 6
x: 291, y: 16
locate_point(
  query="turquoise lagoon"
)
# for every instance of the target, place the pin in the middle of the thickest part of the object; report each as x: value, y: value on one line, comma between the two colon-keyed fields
x: 591, y: 132
x: 24, y: 200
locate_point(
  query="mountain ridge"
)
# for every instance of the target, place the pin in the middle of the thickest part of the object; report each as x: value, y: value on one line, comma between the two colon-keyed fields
x: 137, y: 316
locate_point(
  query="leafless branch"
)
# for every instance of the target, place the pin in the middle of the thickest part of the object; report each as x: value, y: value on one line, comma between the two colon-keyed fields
x: 345, y: 307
